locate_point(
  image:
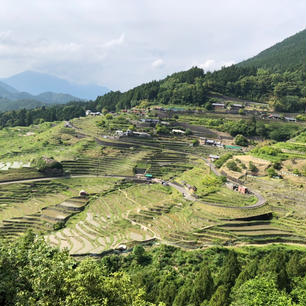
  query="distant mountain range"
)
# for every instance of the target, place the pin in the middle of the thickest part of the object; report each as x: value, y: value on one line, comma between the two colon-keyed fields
x: 36, y: 83
x: 31, y: 89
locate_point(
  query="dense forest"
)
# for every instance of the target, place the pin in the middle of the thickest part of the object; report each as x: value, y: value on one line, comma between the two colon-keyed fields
x: 32, y: 273
x: 290, y: 54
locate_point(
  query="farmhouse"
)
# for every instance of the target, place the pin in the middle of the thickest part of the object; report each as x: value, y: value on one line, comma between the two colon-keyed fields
x: 243, y: 189
x: 165, y: 123
x: 128, y: 133
x: 83, y: 193
x: 218, y: 105
x: 149, y: 120
x: 176, y: 131
x: 121, y: 247
x: 119, y: 133
x: 137, y: 111
x: 236, y: 106
x: 90, y: 113
x: 192, y: 189
x: 210, y: 142
x: 290, y: 119
x: 213, y: 157
x: 141, y: 134
x: 275, y: 116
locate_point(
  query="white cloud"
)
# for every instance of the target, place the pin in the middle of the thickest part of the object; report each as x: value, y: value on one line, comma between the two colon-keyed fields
x: 158, y: 63
x: 115, y: 42
x: 212, y: 65
x: 125, y: 43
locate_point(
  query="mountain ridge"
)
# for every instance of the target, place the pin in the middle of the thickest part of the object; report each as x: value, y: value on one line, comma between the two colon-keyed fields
x: 12, y: 99
x: 37, y: 83
x: 287, y: 54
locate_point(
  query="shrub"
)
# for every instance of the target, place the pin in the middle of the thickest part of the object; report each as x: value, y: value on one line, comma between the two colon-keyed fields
x: 271, y: 172
x: 44, y: 164
x: 296, y: 171
x: 195, y: 142
x: 268, y: 151
x: 241, y: 140
x: 219, y: 162
x: 188, y: 132
x: 231, y: 165
x: 252, y: 167
x: 301, y: 117
x: 108, y: 116
x: 280, y: 134
x: 277, y: 165
x: 161, y: 129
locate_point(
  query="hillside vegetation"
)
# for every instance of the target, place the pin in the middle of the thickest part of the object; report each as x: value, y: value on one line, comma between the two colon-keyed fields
x: 289, y: 54
x: 32, y: 273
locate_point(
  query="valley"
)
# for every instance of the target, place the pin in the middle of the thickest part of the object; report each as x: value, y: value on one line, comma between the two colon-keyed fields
x: 162, y: 188
x: 185, y: 190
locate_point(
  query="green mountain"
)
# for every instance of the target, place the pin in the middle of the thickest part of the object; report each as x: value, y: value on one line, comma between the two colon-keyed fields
x: 290, y: 54
x: 277, y: 75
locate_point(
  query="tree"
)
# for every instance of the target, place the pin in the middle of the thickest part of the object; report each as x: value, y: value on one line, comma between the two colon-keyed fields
x: 220, y: 297
x: 231, y: 165
x: 230, y: 271
x: 188, y: 132
x: 203, y: 286
x: 260, y: 291
x: 252, y: 167
x: 183, y: 296
x: 241, y: 140
x: 140, y: 255
x: 271, y: 172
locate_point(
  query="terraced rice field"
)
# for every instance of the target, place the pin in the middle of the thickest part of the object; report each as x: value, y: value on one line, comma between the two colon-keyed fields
x: 106, y: 223
x: 19, y: 193
x: 47, y: 219
x: 122, y: 212
x: 226, y: 197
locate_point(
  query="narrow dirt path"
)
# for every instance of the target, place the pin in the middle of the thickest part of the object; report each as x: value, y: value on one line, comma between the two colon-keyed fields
x: 144, y: 227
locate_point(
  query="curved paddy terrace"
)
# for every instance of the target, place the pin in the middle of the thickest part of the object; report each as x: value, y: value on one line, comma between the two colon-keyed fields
x: 121, y: 209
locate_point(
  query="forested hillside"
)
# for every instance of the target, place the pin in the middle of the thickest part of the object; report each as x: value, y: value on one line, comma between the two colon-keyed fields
x: 277, y: 75
x: 290, y: 54
x: 32, y: 273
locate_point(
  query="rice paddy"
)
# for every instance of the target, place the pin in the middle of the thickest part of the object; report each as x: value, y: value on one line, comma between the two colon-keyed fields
x: 121, y: 210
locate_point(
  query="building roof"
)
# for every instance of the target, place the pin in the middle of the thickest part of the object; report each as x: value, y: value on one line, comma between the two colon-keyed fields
x: 214, y: 156
x: 178, y: 131
x: 233, y: 147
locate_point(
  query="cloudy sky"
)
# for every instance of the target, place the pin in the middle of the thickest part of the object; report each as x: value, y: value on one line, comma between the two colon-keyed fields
x: 122, y: 43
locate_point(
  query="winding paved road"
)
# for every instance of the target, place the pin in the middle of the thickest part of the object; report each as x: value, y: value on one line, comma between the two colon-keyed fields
x: 260, y: 199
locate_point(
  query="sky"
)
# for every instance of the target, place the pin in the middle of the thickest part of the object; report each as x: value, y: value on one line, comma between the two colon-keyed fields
x: 123, y: 43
